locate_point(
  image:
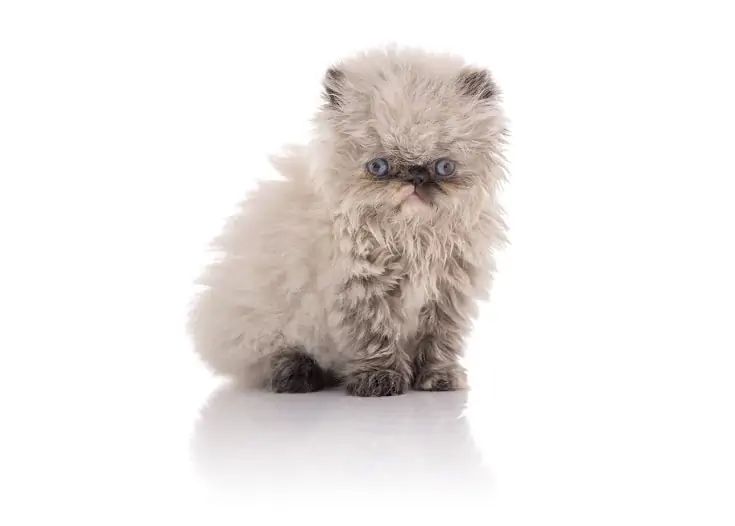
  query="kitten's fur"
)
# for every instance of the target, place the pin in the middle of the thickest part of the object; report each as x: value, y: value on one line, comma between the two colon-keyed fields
x: 333, y: 274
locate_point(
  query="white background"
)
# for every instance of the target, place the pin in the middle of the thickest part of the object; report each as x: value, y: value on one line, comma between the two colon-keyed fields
x: 602, y: 367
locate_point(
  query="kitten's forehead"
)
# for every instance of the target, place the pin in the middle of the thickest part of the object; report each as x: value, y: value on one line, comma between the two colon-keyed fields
x: 421, y: 127
x: 410, y: 106
x: 416, y: 143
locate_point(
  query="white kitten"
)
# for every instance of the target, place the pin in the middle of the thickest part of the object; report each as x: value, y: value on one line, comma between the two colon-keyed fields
x: 364, y: 265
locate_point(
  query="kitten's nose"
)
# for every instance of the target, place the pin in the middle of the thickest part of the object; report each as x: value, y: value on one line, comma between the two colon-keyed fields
x: 418, y: 179
x: 417, y: 175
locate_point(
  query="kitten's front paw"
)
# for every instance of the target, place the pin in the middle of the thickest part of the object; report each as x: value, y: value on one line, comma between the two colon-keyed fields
x: 294, y: 371
x: 441, y: 380
x: 383, y: 382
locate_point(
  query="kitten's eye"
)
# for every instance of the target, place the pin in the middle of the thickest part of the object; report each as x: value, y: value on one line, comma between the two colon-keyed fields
x: 444, y: 167
x: 378, y: 167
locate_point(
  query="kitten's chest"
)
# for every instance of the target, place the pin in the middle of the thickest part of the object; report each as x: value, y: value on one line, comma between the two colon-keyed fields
x: 417, y: 288
x: 413, y: 298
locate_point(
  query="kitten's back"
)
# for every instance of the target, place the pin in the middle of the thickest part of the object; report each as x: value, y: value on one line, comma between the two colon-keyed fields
x: 263, y: 290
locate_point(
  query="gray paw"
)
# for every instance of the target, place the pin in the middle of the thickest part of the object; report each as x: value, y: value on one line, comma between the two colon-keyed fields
x: 383, y: 382
x: 295, y: 371
x: 441, y: 380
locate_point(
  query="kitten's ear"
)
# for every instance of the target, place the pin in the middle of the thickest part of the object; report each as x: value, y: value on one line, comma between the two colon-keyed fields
x: 333, y: 85
x: 477, y: 83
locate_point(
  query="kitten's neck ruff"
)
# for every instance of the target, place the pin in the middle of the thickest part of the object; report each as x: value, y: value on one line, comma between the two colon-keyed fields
x: 420, y: 245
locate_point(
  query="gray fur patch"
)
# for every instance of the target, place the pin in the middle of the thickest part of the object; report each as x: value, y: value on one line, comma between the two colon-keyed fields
x: 332, y: 84
x: 294, y: 371
x: 383, y: 382
x: 441, y: 380
x: 477, y: 84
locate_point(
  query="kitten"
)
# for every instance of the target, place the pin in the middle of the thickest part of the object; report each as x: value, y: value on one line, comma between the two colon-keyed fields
x: 363, y: 266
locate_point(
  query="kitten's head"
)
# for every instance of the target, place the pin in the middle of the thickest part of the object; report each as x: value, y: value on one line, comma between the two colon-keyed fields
x: 410, y: 135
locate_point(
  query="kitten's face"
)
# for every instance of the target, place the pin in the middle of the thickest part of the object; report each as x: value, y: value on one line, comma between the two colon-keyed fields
x: 417, y: 181
x: 419, y: 184
x: 412, y: 136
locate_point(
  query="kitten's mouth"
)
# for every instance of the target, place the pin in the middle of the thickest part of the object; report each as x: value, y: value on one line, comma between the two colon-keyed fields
x: 414, y: 200
x: 415, y: 194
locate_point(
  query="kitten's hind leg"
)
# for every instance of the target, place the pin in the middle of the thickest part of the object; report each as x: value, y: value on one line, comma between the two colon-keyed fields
x: 294, y: 371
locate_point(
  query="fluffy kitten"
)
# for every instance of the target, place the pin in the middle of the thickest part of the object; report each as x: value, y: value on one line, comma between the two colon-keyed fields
x: 363, y: 265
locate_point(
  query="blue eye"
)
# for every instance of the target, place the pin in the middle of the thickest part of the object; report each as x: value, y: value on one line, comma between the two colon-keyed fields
x: 378, y: 167
x: 444, y: 167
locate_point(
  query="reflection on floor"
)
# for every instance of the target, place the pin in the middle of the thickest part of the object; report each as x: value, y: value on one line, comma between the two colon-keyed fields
x: 267, y: 443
